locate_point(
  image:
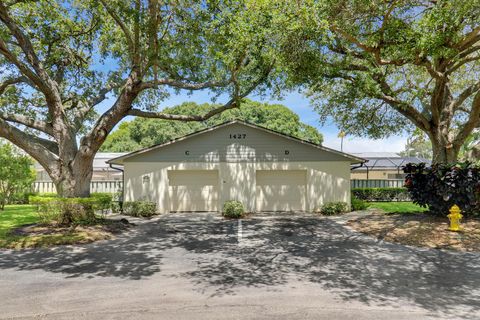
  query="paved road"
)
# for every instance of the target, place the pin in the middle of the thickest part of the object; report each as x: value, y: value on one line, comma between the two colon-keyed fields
x: 201, y: 267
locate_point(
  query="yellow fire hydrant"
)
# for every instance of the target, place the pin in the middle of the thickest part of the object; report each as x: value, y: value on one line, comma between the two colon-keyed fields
x: 455, y: 216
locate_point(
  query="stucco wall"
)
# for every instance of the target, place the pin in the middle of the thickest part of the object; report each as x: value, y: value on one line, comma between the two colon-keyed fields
x: 373, y: 174
x: 326, y: 180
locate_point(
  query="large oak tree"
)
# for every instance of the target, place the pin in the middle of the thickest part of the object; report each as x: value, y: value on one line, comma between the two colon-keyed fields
x: 70, y: 71
x: 379, y: 67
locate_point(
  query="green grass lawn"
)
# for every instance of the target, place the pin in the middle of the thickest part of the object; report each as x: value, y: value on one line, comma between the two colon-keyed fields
x: 15, y: 216
x: 397, y: 207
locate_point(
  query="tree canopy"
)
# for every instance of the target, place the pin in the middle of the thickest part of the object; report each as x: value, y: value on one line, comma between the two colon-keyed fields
x: 59, y: 60
x: 140, y: 133
x: 383, y: 67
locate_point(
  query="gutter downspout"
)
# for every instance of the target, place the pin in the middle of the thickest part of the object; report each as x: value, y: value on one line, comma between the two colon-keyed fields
x: 120, y: 201
x: 360, y: 166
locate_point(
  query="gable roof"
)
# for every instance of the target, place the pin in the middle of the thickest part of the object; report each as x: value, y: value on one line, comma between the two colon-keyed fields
x: 352, y: 158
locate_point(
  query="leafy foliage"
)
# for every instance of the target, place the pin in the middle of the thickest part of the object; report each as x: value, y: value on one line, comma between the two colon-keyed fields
x: 16, y: 174
x: 470, y: 150
x: 233, y: 209
x: 141, y: 133
x: 381, y: 194
x: 358, y: 204
x: 418, y: 145
x: 378, y: 67
x: 65, y: 211
x: 441, y: 186
x: 70, y: 210
x: 140, y: 208
x: 333, y: 208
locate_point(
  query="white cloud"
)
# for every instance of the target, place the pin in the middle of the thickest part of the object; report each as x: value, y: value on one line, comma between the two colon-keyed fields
x: 355, y: 144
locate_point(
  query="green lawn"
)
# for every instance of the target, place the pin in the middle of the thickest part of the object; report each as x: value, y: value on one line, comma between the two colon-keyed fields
x: 15, y: 216
x: 397, y: 207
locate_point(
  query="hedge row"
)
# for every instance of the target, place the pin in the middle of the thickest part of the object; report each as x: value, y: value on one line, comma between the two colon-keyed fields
x: 70, y: 210
x: 381, y: 194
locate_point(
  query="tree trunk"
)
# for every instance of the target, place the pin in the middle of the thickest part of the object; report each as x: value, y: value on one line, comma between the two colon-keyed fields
x: 444, y: 152
x: 74, y: 182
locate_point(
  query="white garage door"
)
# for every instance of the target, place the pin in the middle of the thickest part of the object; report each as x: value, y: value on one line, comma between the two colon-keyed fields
x: 281, y: 190
x: 193, y: 190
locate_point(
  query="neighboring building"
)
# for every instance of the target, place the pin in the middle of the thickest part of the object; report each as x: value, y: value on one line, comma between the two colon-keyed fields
x: 101, y: 169
x: 383, y: 166
x: 263, y: 169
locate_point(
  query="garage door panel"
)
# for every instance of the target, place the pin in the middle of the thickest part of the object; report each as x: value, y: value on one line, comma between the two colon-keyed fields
x: 193, y: 190
x: 281, y: 190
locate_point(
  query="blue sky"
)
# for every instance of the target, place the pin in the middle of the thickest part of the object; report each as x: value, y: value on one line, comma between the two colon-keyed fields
x: 301, y: 106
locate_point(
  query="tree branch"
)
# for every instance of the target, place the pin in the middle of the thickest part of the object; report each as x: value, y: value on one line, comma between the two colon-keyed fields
x: 81, y: 112
x: 182, y: 84
x: 352, y: 39
x: 5, y: 84
x: 28, y: 122
x: 24, y: 69
x: 26, y: 47
x: 472, y: 122
x: 461, y: 63
x: 44, y: 151
x: 119, y: 22
x: 471, y: 38
x: 231, y: 104
x: 457, y: 103
x: 400, y: 106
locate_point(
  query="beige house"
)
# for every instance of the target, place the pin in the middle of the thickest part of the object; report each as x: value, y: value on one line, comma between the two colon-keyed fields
x: 264, y: 169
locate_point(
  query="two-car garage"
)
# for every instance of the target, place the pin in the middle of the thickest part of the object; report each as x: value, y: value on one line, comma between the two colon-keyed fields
x: 263, y: 169
x: 275, y: 190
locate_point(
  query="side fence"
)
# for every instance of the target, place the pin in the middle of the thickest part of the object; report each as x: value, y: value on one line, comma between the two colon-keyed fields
x: 107, y: 186
x: 360, y: 183
x: 111, y: 186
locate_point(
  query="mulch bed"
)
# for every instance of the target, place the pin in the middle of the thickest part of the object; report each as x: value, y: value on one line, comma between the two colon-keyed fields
x: 44, y: 235
x: 420, y: 230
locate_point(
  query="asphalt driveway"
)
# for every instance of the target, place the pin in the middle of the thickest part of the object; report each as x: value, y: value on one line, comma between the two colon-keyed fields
x: 202, y: 267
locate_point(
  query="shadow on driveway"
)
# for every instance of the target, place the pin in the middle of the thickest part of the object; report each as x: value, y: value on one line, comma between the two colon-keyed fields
x: 271, y: 252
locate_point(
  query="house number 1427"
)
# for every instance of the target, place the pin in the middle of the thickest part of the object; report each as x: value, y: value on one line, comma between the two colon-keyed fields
x: 238, y: 136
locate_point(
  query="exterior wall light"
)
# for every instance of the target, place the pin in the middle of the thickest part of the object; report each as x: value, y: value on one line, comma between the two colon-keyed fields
x: 146, y: 179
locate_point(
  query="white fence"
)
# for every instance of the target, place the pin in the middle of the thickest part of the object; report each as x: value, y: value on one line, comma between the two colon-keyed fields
x: 360, y: 183
x: 111, y: 186
x: 108, y: 186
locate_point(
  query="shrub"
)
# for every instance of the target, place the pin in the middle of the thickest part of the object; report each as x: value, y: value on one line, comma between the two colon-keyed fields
x: 103, y: 201
x: 139, y: 208
x: 358, y: 204
x: 65, y: 210
x: 381, y: 194
x: 441, y: 186
x: 233, y: 209
x: 115, y: 206
x: 46, y: 195
x: 333, y: 208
